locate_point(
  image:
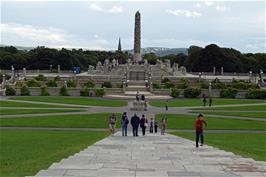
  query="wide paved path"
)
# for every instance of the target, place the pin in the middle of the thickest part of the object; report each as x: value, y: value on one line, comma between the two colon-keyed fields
x: 153, y: 156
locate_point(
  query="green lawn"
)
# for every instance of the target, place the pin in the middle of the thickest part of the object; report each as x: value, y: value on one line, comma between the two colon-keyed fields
x: 177, y: 121
x: 34, y: 105
x: 34, y: 111
x: 241, y: 114
x: 99, y: 120
x: 241, y: 108
x: 247, y: 145
x: 73, y: 100
x: 198, y: 102
x: 25, y: 152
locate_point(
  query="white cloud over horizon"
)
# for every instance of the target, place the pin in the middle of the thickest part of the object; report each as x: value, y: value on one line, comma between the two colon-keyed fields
x: 113, y: 9
x: 186, y: 13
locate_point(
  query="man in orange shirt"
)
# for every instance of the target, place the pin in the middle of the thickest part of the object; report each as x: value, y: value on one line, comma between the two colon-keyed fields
x: 200, y: 122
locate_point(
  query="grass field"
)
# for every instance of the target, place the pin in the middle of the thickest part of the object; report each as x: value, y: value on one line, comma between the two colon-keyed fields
x: 26, y: 152
x: 177, y: 121
x: 240, y: 108
x: 34, y: 105
x: 73, y: 100
x: 240, y: 114
x: 247, y: 145
x: 34, y: 111
x: 99, y: 120
x: 198, y: 102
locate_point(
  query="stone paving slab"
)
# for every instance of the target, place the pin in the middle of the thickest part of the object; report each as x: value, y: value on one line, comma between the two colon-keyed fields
x: 153, y: 156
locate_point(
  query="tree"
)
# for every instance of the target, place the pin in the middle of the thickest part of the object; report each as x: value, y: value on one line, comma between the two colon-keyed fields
x: 151, y: 57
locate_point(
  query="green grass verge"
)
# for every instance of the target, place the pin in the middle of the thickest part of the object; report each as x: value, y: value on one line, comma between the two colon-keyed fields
x: 240, y: 114
x: 34, y: 105
x: 198, y: 102
x: 99, y: 120
x: 247, y: 145
x: 73, y: 100
x: 177, y: 121
x: 240, y: 108
x: 34, y: 111
x: 25, y: 152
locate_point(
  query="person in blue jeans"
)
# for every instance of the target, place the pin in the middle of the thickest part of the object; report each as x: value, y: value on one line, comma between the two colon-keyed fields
x: 124, y: 123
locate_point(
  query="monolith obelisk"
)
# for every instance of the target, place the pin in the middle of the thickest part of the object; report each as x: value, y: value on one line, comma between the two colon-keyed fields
x: 137, y: 36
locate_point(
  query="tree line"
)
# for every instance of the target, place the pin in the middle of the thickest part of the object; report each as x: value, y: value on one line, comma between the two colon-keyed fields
x: 198, y: 59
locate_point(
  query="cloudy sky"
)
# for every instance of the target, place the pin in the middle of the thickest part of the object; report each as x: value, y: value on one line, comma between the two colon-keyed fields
x: 98, y: 25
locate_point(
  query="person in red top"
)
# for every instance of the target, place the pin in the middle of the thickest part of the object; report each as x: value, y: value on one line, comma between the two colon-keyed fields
x: 200, y: 122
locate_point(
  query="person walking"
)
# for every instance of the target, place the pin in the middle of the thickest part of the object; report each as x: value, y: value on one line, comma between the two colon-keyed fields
x: 124, y: 124
x: 135, y: 124
x: 166, y: 105
x: 112, y: 122
x: 163, y: 124
x: 152, y: 123
x: 143, y: 124
x: 204, y: 101
x: 200, y: 122
x: 210, y: 101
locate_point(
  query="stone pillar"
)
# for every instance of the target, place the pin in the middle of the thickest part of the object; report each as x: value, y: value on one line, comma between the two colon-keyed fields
x: 51, y: 68
x: 137, y: 39
x: 222, y: 70
x: 214, y: 70
x: 4, y: 81
x: 58, y: 68
x: 24, y: 72
x: 12, y: 74
x: 65, y: 83
x: 250, y: 76
x: 124, y: 86
x: 199, y: 76
x: 210, y: 89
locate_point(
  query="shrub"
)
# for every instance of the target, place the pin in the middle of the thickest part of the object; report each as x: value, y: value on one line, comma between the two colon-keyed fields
x: 256, y: 94
x: 184, y: 83
x: 19, y: 84
x: 63, y: 91
x: 106, y: 84
x: 44, y: 91
x: 99, y: 92
x: 57, y: 78
x: 228, y: 93
x: 169, y: 85
x: 219, y: 86
x: 166, y: 80
x: 244, y: 86
x: 90, y: 84
x: 203, y: 85
x: 71, y: 83
x: 192, y: 92
x: 33, y: 83
x: 156, y: 86
x: 51, y: 83
x: 40, y: 77
x: 174, y: 93
x: 10, y: 91
x: 24, y: 91
x: 85, y: 92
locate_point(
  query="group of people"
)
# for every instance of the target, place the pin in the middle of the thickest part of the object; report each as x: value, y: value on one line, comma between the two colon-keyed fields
x: 137, y: 122
x: 144, y: 123
x: 205, y: 101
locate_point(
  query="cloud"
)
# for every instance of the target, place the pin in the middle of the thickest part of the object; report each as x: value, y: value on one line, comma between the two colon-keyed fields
x: 197, y: 5
x: 208, y: 3
x: 33, y: 33
x: 222, y: 8
x: 113, y: 9
x: 185, y: 13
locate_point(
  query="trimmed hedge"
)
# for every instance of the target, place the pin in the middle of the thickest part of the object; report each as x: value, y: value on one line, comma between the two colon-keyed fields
x: 85, y: 92
x: 99, y: 92
x: 71, y: 83
x: 44, y: 92
x: 192, y: 92
x: 63, y: 91
x: 33, y: 83
x: 40, y: 77
x: 90, y: 84
x: 256, y: 94
x: 228, y: 93
x: 51, y: 83
x: 169, y: 85
x: 10, y: 91
x: 24, y: 91
x: 184, y: 83
x: 174, y: 93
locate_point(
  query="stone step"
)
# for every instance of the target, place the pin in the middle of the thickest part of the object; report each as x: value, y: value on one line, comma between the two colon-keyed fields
x: 137, y: 88
x: 137, y: 83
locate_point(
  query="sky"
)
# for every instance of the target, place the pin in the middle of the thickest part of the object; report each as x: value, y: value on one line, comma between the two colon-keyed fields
x: 98, y: 24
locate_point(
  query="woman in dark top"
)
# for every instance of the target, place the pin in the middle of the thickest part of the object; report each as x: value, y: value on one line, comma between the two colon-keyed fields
x: 143, y: 124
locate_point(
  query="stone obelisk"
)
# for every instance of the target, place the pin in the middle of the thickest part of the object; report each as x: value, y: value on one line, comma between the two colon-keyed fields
x: 137, y: 36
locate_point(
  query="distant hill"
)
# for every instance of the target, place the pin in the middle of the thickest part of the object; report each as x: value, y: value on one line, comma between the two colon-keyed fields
x: 162, y: 51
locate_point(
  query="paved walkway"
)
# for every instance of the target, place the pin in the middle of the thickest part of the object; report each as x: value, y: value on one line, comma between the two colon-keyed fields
x: 153, y: 156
